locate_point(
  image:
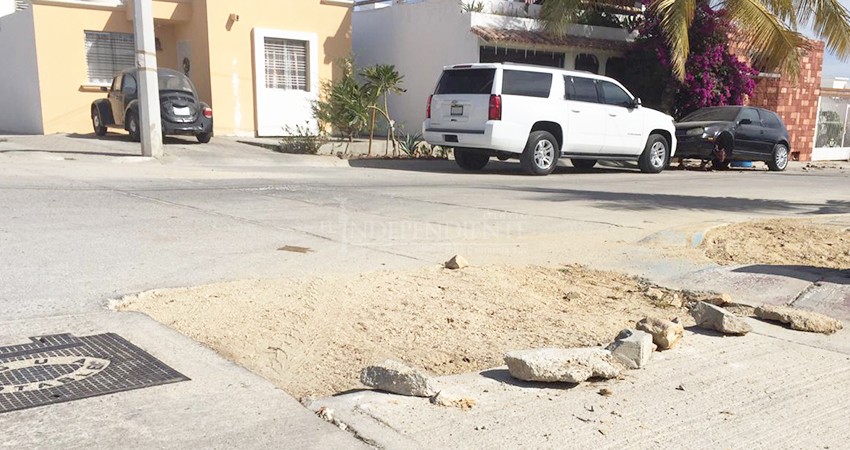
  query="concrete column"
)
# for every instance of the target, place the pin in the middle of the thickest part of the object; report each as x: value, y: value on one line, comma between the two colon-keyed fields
x: 150, y: 121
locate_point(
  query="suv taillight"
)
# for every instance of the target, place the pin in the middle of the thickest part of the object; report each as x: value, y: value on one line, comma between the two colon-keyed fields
x: 495, y: 108
x: 208, y: 113
x: 428, y: 108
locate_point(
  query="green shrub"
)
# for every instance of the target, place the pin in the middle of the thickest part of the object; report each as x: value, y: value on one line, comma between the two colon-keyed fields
x: 302, y: 140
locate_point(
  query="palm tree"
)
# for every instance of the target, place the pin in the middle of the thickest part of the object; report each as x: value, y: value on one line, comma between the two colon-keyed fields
x: 381, y: 81
x: 769, y: 28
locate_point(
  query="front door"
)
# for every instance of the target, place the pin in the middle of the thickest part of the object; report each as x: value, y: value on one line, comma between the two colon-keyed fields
x: 623, y: 136
x: 116, y: 101
x: 749, y: 132
x: 286, y: 81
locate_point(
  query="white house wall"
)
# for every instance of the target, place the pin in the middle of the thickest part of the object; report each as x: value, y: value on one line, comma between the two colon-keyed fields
x: 419, y: 39
x: 20, y: 99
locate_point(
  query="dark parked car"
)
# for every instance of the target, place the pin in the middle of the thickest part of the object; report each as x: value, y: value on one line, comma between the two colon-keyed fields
x: 734, y: 133
x: 181, y: 110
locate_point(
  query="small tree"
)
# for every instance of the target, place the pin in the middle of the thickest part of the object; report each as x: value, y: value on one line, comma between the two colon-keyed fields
x: 343, y: 105
x: 381, y: 81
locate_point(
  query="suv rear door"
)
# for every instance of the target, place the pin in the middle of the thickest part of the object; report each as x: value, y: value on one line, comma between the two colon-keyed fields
x: 586, y: 117
x: 461, y: 101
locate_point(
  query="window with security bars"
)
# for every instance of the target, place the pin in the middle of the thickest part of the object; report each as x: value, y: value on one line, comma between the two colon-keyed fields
x: 286, y: 64
x: 107, y: 54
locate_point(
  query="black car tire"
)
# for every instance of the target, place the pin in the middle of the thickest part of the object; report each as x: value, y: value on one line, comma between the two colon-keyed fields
x: 97, y: 123
x: 470, y: 160
x: 779, y: 158
x: 133, y: 126
x: 719, y: 165
x: 655, y: 156
x: 204, y: 138
x: 541, y: 153
x: 583, y: 164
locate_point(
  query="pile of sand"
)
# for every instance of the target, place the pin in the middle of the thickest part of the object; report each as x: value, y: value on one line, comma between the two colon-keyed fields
x: 780, y: 242
x: 312, y: 336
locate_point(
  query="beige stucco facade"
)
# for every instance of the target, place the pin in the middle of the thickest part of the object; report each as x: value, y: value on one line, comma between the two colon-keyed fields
x: 221, y: 51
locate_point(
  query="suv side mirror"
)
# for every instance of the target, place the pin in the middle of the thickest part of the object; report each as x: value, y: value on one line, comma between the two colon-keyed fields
x: 636, y: 103
x: 104, y: 89
x: 745, y: 122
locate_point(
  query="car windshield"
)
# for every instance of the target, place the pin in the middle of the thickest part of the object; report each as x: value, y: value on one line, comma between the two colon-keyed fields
x: 174, y: 81
x: 723, y: 114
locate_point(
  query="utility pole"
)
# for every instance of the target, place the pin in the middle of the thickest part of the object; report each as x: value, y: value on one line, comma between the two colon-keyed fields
x: 150, y: 122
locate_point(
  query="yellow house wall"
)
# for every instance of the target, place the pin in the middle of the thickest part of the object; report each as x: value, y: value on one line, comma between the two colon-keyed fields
x: 231, y: 50
x: 63, y: 74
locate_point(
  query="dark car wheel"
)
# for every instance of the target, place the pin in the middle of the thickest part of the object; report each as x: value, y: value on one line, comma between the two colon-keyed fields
x: 204, y: 138
x: 779, y: 161
x: 133, y: 126
x: 469, y: 160
x: 655, y: 155
x: 97, y: 124
x: 583, y: 164
x: 541, y: 153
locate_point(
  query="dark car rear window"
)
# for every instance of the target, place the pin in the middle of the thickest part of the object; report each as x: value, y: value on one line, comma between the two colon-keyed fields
x: 528, y: 84
x: 771, y: 120
x: 721, y: 114
x: 466, y: 81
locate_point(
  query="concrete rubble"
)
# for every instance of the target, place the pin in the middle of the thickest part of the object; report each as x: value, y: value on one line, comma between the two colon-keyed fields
x: 665, y: 333
x: 715, y: 318
x: 457, y: 262
x: 798, y: 319
x: 715, y: 298
x: 398, y: 378
x: 562, y: 365
x: 633, y: 348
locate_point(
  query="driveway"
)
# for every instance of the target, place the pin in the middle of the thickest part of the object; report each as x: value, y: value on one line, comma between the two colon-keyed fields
x: 83, y: 221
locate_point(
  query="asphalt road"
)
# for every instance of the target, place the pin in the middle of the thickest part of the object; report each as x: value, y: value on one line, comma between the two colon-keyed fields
x: 77, y: 232
x: 83, y: 221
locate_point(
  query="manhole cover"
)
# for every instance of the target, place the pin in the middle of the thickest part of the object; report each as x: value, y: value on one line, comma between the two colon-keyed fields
x: 62, y: 368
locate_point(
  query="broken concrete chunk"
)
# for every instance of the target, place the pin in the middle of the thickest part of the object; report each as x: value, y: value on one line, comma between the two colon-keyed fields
x: 562, y: 365
x: 713, y: 317
x: 398, y: 378
x: 665, y: 333
x: 715, y: 298
x: 457, y: 262
x: 633, y: 348
x: 799, y: 319
x: 453, y: 400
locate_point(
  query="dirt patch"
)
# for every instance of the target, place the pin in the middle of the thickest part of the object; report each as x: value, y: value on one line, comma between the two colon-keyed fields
x: 312, y: 336
x: 780, y: 242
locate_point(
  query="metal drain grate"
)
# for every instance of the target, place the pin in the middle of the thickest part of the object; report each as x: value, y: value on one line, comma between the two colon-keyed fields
x: 62, y: 368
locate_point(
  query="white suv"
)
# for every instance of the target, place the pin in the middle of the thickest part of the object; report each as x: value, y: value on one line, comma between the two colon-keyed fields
x: 540, y: 114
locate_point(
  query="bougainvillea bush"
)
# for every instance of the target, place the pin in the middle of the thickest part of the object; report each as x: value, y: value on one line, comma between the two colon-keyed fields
x: 714, y: 76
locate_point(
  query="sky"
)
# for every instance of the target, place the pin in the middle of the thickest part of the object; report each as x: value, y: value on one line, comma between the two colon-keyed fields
x: 832, y: 66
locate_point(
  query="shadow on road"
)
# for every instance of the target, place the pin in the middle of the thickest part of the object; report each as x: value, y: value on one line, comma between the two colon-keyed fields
x: 68, y: 152
x: 811, y: 274
x: 447, y: 166
x: 627, y: 201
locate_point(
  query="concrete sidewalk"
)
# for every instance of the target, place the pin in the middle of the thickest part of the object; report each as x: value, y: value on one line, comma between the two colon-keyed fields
x: 222, y: 406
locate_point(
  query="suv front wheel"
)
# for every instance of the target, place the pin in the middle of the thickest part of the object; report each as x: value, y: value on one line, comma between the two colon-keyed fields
x: 655, y: 155
x: 470, y: 160
x: 541, y: 153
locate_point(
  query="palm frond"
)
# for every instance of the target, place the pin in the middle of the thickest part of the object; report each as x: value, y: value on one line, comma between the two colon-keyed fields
x: 772, y: 44
x: 785, y: 10
x: 676, y: 17
x: 830, y: 21
x: 558, y: 15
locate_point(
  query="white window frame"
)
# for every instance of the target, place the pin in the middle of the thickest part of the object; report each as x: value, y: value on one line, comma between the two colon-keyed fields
x: 129, y: 58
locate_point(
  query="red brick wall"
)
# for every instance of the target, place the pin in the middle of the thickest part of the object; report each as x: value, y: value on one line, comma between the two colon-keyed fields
x: 795, y: 102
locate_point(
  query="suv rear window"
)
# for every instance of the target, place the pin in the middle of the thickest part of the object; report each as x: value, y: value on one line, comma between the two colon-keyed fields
x: 528, y: 84
x: 466, y: 81
x: 771, y: 120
